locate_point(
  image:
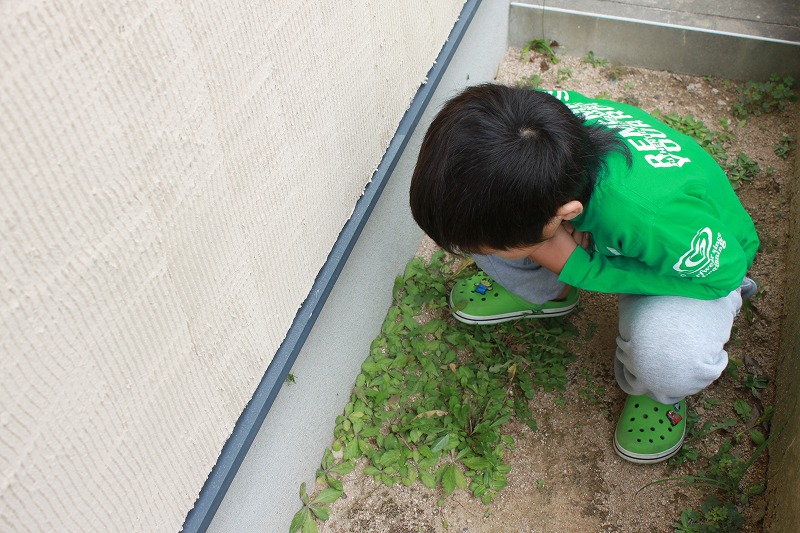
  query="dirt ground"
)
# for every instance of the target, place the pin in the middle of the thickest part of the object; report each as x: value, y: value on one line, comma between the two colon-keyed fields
x: 566, y: 476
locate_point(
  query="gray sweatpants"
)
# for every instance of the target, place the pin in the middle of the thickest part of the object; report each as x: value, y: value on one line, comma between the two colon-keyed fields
x: 668, y: 347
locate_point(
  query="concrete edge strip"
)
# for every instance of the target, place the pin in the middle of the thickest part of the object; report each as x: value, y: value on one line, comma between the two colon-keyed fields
x: 233, y: 452
x: 652, y: 23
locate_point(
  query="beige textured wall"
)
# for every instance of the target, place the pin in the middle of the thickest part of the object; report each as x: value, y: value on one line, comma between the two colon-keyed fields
x: 172, y: 177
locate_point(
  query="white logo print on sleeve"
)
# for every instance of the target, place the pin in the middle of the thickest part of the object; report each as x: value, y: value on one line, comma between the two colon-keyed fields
x: 703, y: 256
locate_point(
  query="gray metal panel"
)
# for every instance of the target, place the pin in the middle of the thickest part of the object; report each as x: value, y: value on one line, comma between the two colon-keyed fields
x: 777, y: 19
x: 656, y: 45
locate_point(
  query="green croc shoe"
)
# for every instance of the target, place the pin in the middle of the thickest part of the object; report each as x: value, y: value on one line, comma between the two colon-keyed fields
x: 481, y: 300
x: 649, y: 431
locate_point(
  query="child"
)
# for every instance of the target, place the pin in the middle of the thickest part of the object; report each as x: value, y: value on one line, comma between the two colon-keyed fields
x: 554, y: 192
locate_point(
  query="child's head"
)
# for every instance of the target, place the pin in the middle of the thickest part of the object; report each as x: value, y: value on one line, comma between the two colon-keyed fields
x: 497, y: 163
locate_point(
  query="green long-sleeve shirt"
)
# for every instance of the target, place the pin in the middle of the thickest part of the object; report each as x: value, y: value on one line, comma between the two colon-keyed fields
x: 670, y: 224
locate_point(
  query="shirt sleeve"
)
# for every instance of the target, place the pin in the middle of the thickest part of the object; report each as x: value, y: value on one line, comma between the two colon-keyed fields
x: 685, y: 250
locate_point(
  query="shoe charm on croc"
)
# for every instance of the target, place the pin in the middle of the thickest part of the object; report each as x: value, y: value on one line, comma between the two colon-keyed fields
x: 483, y: 286
x: 674, y: 418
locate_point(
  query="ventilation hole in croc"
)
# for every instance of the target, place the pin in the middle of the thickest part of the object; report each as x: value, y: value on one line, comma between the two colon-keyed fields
x: 662, y: 437
x: 638, y: 440
x: 669, y: 429
x: 630, y: 430
x: 651, y: 441
x: 655, y: 409
x: 636, y: 405
x: 660, y: 421
x: 644, y: 415
x: 653, y: 429
x: 641, y: 430
x: 633, y: 418
x: 496, y: 294
x: 471, y: 299
x: 483, y: 299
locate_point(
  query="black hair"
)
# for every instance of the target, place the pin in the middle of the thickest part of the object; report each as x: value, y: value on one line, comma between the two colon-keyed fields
x: 497, y: 162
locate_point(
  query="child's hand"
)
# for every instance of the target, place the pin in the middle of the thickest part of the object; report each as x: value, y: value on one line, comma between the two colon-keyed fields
x: 554, y: 252
x: 582, y: 238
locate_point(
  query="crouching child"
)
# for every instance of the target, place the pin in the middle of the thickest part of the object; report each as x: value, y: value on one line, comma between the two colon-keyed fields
x: 555, y: 192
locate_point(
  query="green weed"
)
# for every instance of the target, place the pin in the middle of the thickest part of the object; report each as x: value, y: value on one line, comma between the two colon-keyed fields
x: 615, y: 72
x: 784, y: 146
x: 709, y: 402
x: 713, y: 516
x: 594, y: 61
x: 530, y: 82
x: 564, y: 73
x: 754, y: 384
x: 591, y: 392
x: 630, y: 99
x: 741, y: 169
x: 304, y: 519
x: 756, y: 98
x: 541, y: 46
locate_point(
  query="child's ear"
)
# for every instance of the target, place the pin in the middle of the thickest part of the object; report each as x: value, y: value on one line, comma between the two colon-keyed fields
x: 569, y: 210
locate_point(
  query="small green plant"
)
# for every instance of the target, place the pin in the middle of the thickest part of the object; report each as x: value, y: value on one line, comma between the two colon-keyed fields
x: 291, y: 379
x: 734, y: 365
x: 541, y: 46
x: 304, y: 520
x: 594, y: 61
x: 757, y: 98
x: 784, y: 146
x: 749, y: 309
x: 631, y: 99
x: 741, y: 169
x: 709, y: 402
x: 564, y: 73
x: 754, y: 384
x: 713, y: 516
x: 591, y: 392
x: 329, y: 469
x: 615, y: 72
x: 530, y: 82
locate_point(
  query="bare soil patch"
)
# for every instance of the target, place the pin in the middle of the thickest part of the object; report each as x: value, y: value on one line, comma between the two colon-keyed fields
x: 565, y: 476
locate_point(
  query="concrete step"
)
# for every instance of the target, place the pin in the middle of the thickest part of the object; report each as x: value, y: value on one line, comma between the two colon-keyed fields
x: 737, y: 39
